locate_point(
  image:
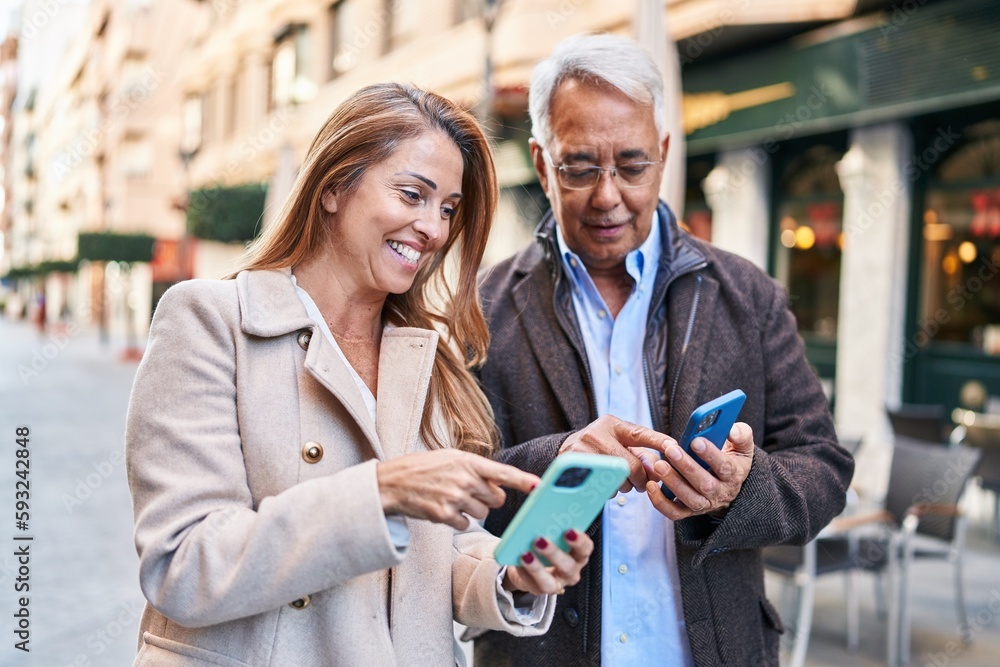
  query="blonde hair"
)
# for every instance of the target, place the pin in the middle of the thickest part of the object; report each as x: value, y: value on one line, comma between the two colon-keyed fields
x: 364, y: 130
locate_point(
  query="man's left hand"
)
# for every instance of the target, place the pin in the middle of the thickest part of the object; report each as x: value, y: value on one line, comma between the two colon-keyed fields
x: 699, y: 491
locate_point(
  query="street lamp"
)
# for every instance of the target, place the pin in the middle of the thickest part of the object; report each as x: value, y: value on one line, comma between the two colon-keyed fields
x: 489, y: 10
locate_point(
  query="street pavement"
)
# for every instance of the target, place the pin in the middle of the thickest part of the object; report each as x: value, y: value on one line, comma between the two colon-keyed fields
x: 85, y: 603
x: 84, y: 599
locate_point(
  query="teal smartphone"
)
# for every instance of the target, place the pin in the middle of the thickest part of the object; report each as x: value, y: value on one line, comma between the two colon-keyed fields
x: 712, y: 421
x: 571, y: 494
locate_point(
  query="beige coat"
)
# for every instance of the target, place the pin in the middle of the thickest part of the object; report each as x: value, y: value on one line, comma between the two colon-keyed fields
x: 251, y: 459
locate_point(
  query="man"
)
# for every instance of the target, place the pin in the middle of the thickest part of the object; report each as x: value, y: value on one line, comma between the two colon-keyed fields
x: 606, y: 334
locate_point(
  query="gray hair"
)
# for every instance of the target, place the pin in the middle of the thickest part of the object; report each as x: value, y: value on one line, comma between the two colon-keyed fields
x: 616, y: 61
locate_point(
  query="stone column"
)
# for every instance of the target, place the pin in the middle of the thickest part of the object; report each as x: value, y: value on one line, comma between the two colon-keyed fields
x: 870, y: 353
x: 738, y: 192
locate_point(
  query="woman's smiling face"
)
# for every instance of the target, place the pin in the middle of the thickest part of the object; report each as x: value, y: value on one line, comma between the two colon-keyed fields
x: 398, y: 216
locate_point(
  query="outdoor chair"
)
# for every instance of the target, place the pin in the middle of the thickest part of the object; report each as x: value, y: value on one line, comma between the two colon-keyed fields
x: 982, y: 431
x: 803, y: 564
x: 929, y: 423
x: 921, y: 520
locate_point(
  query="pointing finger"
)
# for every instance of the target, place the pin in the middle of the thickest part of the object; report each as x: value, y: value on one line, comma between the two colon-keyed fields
x: 633, y: 435
x: 505, y: 475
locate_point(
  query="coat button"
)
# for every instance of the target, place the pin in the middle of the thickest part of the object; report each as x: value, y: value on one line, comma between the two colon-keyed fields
x: 304, y: 338
x: 571, y: 616
x: 312, y: 452
x: 301, y: 603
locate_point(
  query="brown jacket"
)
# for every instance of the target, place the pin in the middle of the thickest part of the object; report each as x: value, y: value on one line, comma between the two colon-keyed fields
x: 237, y: 517
x: 716, y: 323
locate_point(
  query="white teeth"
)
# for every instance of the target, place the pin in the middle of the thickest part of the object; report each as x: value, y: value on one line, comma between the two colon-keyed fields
x: 405, y: 250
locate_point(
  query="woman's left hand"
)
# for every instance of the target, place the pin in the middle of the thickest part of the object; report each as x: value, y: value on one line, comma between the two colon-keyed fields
x: 533, y: 577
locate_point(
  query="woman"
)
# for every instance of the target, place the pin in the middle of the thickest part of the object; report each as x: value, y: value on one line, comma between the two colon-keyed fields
x: 304, y: 454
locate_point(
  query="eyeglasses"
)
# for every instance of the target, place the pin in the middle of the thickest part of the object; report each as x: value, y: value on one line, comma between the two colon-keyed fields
x: 586, y: 176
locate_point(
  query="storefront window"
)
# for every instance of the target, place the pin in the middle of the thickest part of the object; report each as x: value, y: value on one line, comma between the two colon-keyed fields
x: 809, y: 238
x: 960, y: 290
x: 697, y: 213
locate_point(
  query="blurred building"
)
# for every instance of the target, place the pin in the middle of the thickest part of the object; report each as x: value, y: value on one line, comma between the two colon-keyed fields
x: 859, y: 162
x: 8, y: 89
x: 93, y: 112
x: 849, y: 147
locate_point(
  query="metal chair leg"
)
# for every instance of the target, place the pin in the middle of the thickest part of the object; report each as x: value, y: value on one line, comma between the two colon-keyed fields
x: 880, y: 594
x: 852, y: 610
x: 806, y: 579
x: 892, y: 635
x: 851, y: 583
x: 906, y: 591
x: 996, y: 516
x: 959, y: 554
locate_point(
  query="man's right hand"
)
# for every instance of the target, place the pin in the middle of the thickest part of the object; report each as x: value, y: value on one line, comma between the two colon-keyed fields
x: 612, y: 436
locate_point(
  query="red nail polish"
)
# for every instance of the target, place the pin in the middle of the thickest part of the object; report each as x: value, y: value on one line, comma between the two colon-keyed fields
x: 542, y: 543
x: 532, y: 487
x: 528, y: 558
x: 571, y: 535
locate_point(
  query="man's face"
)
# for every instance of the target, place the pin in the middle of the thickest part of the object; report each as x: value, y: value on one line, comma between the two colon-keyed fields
x: 597, y: 125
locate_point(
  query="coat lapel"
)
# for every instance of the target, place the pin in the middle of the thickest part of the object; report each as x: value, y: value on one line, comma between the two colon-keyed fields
x: 324, y: 364
x: 270, y: 308
x: 552, y: 350
x: 405, y: 363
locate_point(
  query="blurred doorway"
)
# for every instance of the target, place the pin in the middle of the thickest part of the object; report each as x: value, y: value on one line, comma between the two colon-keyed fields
x: 953, y: 342
x: 807, y: 237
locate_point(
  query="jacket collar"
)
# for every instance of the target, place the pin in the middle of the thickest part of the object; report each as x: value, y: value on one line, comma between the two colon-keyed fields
x: 541, y: 290
x: 269, y: 306
x: 679, y: 253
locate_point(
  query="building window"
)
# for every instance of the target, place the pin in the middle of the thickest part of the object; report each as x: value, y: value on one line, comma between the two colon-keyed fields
x: 233, y: 103
x: 191, y: 132
x: 466, y: 10
x: 291, y: 82
x: 697, y: 212
x: 960, y: 296
x: 807, y: 250
x: 347, y: 39
x: 136, y: 157
x: 404, y: 22
x: 208, y: 104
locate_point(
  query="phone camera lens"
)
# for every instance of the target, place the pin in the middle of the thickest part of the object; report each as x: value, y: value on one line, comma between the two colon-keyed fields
x: 708, y: 420
x: 572, y: 477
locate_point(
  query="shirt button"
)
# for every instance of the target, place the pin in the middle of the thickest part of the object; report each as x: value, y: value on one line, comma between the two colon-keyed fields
x: 618, y: 370
x: 572, y: 262
x: 623, y: 638
x: 601, y: 314
x: 623, y: 568
x: 622, y: 500
x: 641, y: 288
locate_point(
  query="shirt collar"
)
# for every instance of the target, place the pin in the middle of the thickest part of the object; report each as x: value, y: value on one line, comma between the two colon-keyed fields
x: 636, y: 262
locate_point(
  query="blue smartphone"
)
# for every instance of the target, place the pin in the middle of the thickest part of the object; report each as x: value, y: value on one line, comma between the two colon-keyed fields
x: 571, y: 494
x: 712, y: 421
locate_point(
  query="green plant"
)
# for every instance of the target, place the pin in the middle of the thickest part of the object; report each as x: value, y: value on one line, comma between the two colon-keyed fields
x: 114, y: 247
x: 226, y: 214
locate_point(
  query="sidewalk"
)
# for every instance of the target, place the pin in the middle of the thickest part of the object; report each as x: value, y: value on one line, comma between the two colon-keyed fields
x: 72, y: 393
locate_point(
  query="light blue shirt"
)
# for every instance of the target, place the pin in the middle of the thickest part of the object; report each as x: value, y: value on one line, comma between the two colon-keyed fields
x: 641, y: 617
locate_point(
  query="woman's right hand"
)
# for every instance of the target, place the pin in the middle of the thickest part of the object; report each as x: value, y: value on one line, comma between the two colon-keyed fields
x: 444, y: 485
